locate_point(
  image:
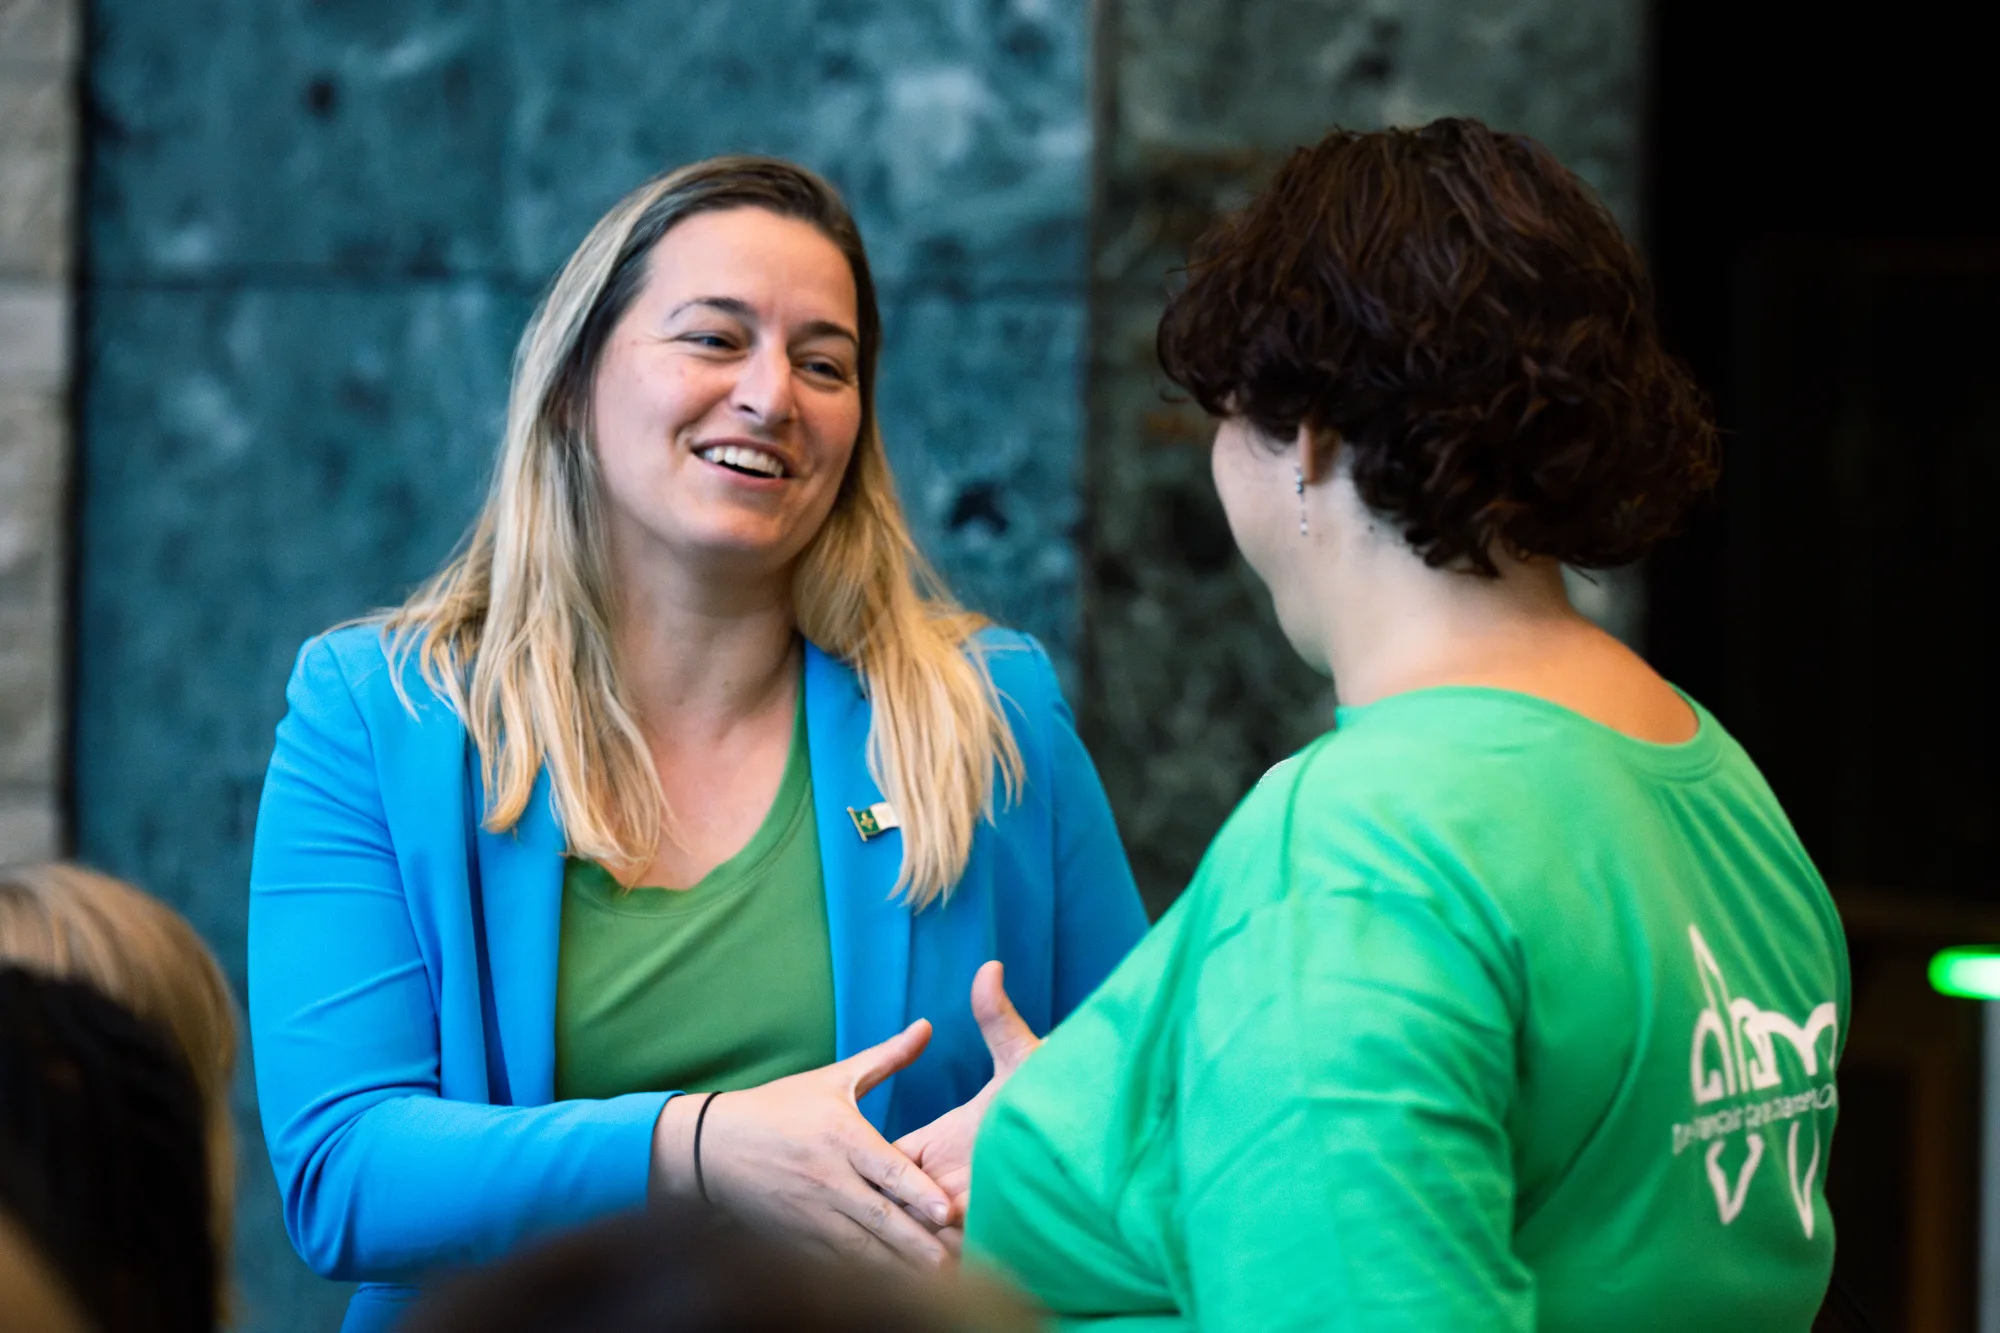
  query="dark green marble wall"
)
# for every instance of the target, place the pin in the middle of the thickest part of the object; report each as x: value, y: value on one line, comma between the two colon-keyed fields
x: 314, y: 229
x: 1191, y: 692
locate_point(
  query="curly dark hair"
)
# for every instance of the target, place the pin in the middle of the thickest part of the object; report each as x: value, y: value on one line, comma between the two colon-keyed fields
x: 1462, y: 313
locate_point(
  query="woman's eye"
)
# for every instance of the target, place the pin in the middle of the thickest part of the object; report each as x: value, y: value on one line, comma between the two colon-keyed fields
x: 832, y: 370
x: 718, y: 341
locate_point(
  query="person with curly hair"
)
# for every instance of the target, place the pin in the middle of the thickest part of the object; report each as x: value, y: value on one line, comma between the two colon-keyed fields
x: 1513, y: 1001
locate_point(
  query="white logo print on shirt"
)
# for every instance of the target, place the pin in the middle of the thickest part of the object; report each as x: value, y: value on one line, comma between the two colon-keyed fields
x: 1734, y: 1057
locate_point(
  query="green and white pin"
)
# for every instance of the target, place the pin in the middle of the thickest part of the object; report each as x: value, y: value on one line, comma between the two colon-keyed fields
x: 874, y: 821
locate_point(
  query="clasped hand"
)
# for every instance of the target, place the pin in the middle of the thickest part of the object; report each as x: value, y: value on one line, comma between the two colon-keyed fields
x: 943, y: 1148
x: 797, y: 1154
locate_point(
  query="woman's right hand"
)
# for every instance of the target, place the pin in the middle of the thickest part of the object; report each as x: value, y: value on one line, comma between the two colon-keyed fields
x: 796, y: 1153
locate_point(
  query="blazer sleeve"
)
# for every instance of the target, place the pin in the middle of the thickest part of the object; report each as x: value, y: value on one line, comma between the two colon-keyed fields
x: 382, y: 1177
x: 1098, y: 914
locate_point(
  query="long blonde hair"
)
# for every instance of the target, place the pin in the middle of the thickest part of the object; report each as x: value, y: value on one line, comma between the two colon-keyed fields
x: 516, y: 632
x: 66, y: 921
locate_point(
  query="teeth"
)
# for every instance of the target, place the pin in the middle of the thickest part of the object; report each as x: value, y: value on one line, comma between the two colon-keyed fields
x: 747, y: 460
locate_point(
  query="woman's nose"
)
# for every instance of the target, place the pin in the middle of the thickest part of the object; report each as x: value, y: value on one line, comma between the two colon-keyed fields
x: 764, y: 389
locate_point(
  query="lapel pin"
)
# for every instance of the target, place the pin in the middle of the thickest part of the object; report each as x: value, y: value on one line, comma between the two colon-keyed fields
x: 877, y: 819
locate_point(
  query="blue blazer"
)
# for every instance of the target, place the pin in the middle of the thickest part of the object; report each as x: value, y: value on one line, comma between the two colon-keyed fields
x: 403, y: 961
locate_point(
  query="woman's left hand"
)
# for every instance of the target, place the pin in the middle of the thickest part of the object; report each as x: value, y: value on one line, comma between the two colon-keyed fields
x: 943, y: 1148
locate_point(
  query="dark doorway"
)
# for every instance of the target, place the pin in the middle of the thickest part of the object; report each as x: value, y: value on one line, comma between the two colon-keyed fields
x: 1827, y: 247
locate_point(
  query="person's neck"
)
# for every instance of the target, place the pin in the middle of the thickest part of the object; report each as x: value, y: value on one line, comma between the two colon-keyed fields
x: 701, y: 651
x: 1394, y: 624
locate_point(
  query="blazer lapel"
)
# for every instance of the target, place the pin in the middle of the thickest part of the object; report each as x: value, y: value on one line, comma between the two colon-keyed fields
x: 869, y: 928
x: 520, y: 901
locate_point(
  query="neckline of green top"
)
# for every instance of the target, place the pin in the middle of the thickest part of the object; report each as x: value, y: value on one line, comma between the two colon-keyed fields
x: 1690, y: 758
x: 789, y: 808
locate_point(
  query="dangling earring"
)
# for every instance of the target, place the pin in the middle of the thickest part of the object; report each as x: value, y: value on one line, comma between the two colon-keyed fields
x: 1299, y: 489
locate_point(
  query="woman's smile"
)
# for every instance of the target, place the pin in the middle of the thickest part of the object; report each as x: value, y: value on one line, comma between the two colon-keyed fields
x: 747, y: 459
x: 742, y: 350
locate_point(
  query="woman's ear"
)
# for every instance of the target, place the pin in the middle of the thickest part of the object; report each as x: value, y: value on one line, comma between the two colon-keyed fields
x: 1316, y: 447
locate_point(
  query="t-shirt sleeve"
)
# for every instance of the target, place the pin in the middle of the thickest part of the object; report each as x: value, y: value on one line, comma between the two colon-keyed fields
x: 1345, y: 1163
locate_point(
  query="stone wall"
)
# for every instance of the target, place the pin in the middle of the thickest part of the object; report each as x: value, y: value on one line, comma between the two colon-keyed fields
x: 1190, y: 690
x: 38, y: 148
x: 315, y: 233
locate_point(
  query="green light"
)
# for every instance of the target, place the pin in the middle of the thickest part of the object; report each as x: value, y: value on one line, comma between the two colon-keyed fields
x: 1970, y: 971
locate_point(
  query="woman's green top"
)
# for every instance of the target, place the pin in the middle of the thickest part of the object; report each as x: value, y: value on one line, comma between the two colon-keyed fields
x: 725, y: 985
x: 1477, y: 1015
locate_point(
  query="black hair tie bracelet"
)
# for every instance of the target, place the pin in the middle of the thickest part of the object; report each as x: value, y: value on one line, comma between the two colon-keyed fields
x: 701, y: 1185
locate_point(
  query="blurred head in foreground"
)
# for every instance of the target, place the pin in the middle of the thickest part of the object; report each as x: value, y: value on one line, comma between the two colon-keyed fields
x: 684, y: 1270
x: 103, y: 1159
x: 66, y: 921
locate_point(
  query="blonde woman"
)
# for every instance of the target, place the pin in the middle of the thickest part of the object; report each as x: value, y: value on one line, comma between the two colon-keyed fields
x: 65, y: 921
x: 683, y: 776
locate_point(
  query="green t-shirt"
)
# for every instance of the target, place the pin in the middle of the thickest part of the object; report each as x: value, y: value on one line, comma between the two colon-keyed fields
x: 1478, y: 1015
x: 725, y: 985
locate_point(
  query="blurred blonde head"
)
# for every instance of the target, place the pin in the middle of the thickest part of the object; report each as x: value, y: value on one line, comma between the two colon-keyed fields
x: 74, y: 923
x: 517, y: 631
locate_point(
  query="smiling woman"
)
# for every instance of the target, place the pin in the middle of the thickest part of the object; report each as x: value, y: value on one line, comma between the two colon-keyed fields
x: 756, y: 394
x: 684, y: 775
